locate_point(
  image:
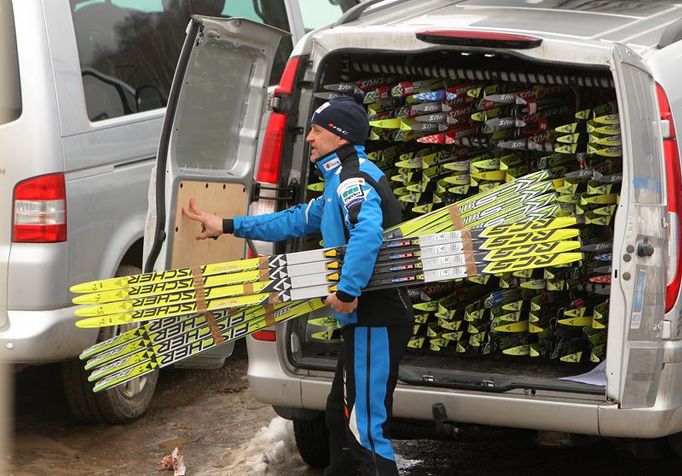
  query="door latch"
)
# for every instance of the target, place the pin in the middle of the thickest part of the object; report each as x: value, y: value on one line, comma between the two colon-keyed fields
x: 645, y: 249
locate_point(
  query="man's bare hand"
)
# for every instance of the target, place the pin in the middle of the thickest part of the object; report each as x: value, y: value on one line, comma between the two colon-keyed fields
x: 211, y: 225
x: 340, y: 306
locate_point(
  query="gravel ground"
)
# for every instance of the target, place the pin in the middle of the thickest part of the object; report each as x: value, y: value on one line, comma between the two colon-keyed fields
x: 221, y: 430
x: 207, y: 414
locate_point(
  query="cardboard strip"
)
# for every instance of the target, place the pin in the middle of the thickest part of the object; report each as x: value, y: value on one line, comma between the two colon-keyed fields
x: 213, y: 328
x: 273, y: 298
x: 467, y: 244
x: 202, y: 308
x: 468, y: 251
x: 269, y: 314
x: 456, y: 217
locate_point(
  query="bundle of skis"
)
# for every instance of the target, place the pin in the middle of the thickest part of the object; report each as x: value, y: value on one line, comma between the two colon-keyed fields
x: 288, y: 278
x: 180, y: 303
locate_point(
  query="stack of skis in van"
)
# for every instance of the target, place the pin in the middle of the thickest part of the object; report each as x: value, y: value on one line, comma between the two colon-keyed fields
x: 530, y: 184
x: 441, y: 141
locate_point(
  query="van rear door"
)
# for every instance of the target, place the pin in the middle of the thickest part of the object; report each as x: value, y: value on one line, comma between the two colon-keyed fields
x: 634, y: 355
x: 209, y: 139
x: 10, y: 110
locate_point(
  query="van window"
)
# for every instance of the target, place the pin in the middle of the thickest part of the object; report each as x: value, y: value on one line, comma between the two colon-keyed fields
x: 269, y: 12
x: 317, y: 13
x: 10, y: 89
x: 128, y: 49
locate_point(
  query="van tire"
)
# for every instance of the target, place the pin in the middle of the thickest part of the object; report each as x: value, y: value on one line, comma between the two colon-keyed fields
x: 312, y: 441
x: 118, y: 405
x: 675, y: 444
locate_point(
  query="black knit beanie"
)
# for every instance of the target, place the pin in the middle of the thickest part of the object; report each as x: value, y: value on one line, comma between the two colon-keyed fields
x: 344, y: 116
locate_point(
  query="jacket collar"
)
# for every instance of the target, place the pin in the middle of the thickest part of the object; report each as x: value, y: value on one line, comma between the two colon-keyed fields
x: 329, y: 164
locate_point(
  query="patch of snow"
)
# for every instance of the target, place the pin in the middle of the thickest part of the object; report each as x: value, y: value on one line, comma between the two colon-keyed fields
x: 272, y: 451
x: 405, y: 464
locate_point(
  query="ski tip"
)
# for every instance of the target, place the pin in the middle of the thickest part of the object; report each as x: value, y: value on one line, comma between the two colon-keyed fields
x: 98, y: 297
x: 98, y: 286
x: 83, y: 288
x: 103, y: 321
x: 88, y: 311
x: 83, y: 299
x: 91, y: 364
x: 94, y: 377
x: 88, y: 323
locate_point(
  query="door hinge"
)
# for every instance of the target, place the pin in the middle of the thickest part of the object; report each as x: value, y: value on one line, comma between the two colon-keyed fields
x: 272, y: 103
x: 287, y: 193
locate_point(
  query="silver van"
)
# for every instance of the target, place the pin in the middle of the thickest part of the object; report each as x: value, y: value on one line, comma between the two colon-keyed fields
x: 625, y: 51
x: 81, y: 115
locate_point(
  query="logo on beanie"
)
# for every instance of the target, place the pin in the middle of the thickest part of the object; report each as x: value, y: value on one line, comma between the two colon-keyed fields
x: 337, y: 129
x: 322, y: 107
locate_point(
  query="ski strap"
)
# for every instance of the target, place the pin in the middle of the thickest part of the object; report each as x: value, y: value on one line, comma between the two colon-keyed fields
x: 269, y: 315
x: 467, y: 242
x: 468, y: 250
x: 202, y: 307
x: 456, y: 217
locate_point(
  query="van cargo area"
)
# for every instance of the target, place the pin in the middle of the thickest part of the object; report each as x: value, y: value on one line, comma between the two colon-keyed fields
x: 450, y: 124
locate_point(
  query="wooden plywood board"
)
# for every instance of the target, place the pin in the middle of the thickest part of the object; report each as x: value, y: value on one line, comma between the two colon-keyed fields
x: 222, y: 199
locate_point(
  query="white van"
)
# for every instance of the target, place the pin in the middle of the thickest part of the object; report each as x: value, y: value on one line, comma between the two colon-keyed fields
x: 81, y: 113
x: 628, y: 51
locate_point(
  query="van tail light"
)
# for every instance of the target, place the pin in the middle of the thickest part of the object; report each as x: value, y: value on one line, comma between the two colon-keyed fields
x: 39, y: 205
x: 674, y: 192
x: 265, y: 336
x: 273, y: 142
x: 270, y: 163
x: 478, y: 38
x: 271, y: 152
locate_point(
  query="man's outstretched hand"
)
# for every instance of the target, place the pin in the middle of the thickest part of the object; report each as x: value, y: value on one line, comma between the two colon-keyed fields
x: 340, y: 306
x: 211, y: 225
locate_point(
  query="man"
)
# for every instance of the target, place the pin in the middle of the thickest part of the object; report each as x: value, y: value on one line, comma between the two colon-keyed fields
x: 356, y: 206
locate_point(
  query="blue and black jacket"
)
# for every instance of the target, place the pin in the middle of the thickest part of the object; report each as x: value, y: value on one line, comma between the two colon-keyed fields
x: 356, y: 206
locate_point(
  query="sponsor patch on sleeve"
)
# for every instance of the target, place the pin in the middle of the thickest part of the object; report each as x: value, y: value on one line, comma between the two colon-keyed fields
x: 350, y: 192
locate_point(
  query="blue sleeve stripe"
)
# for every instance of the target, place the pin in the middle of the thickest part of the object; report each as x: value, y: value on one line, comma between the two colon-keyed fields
x: 307, y: 210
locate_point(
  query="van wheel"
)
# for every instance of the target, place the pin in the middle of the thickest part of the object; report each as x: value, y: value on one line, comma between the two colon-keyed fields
x: 675, y: 444
x: 122, y: 404
x: 312, y: 441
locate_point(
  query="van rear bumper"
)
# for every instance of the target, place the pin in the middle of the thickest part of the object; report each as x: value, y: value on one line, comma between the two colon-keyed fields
x: 583, y: 414
x: 37, y: 337
x: 268, y: 381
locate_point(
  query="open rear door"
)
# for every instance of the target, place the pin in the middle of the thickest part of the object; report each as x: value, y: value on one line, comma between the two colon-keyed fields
x: 635, y: 351
x: 208, y: 145
x: 209, y: 139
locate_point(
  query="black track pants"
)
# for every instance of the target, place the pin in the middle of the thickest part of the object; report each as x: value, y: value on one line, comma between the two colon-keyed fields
x: 359, y: 404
